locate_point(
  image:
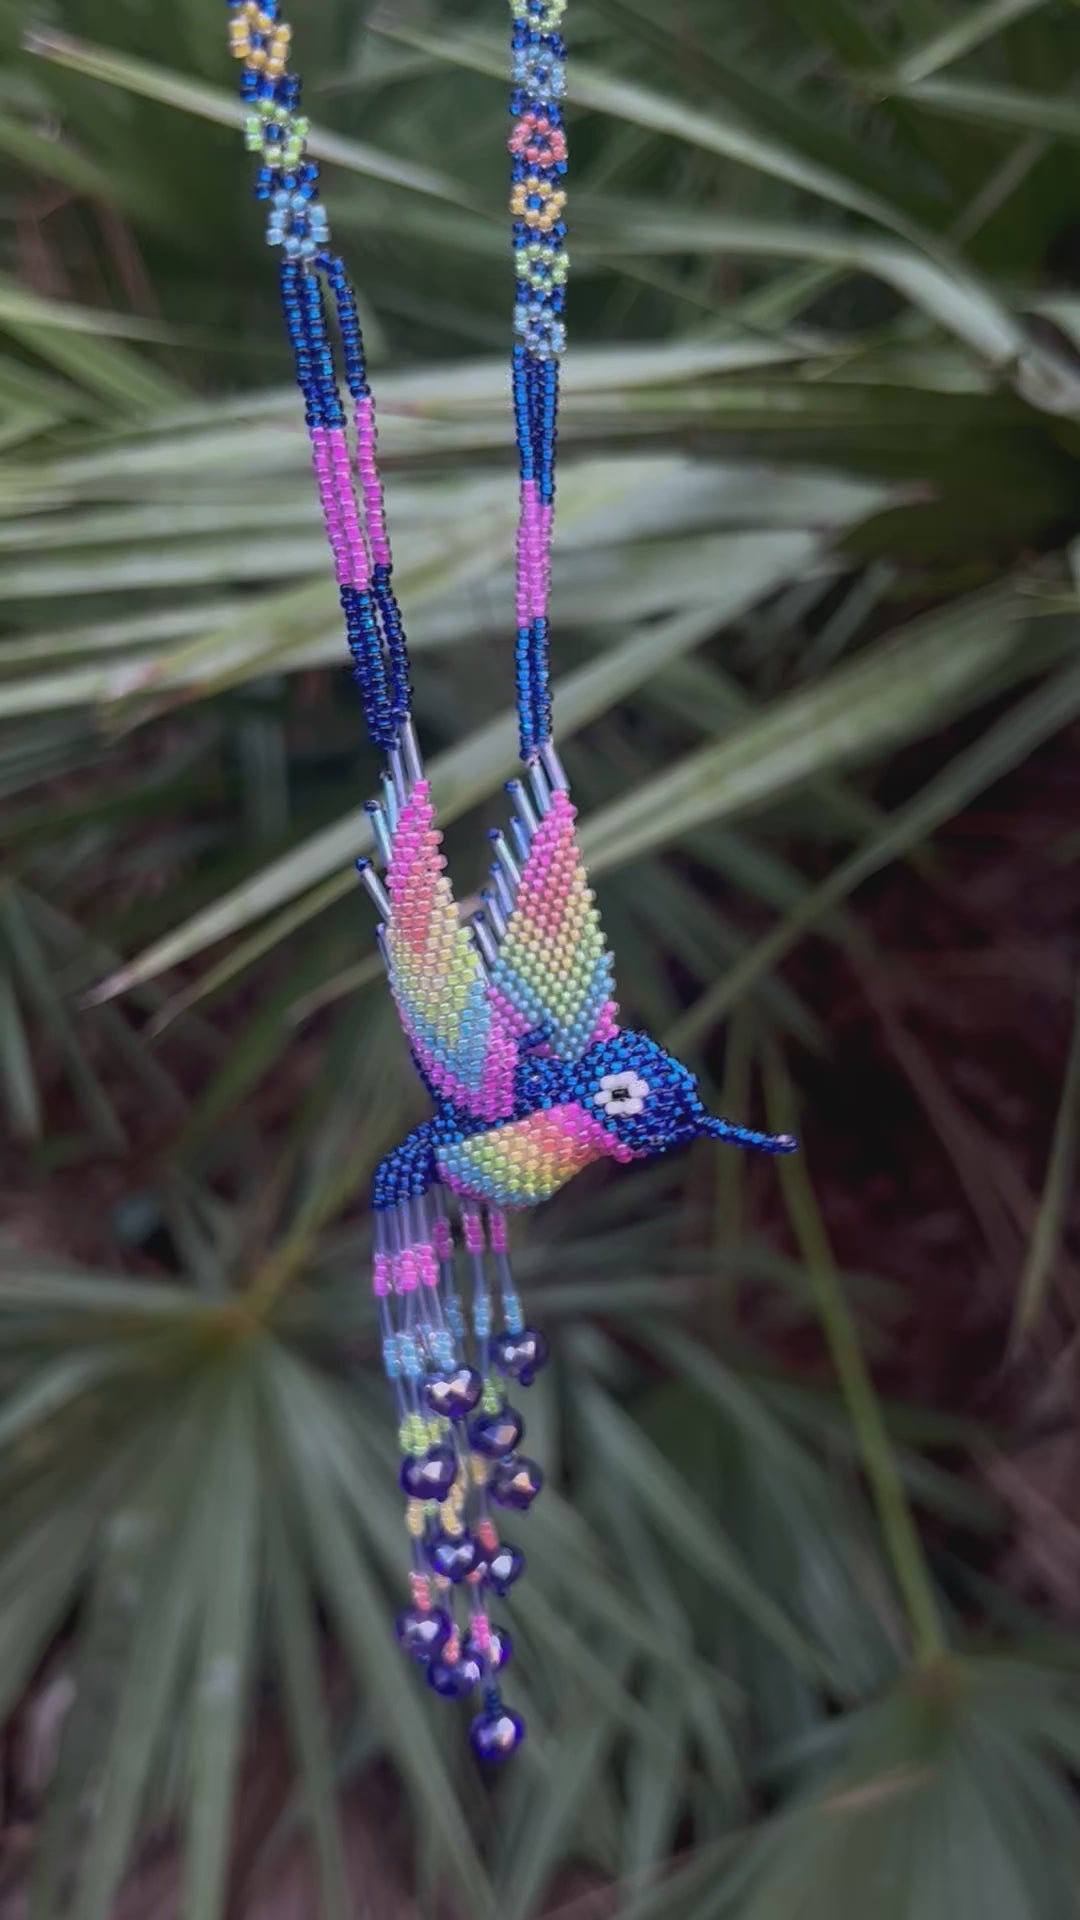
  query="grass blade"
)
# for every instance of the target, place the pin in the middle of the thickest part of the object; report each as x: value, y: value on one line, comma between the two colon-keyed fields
x: 1038, y: 1267
x: 21, y: 1095
x: 1055, y: 114
x: 1003, y: 746
x: 293, y: 1609
x: 676, y: 1512
x: 897, y: 1524
x: 162, y: 1634
x: 897, y: 690
x: 975, y: 25
x: 217, y: 105
x: 227, y: 1576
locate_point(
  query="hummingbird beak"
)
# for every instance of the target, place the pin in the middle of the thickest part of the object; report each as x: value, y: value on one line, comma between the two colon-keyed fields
x: 747, y: 1137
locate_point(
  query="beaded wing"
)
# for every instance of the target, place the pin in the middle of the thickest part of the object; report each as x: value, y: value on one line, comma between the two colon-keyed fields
x: 511, y: 1020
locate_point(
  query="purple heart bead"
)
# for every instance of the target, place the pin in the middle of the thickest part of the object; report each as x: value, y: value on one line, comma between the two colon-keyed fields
x: 516, y: 1482
x: 454, y: 1679
x: 494, y: 1434
x: 504, y: 1566
x: 521, y: 1355
x: 423, y: 1634
x: 431, y: 1476
x: 497, y: 1652
x: 455, y: 1555
x: 497, y: 1734
x: 455, y: 1394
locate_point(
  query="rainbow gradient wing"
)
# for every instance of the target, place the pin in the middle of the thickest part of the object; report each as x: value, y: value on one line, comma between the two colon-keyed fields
x: 460, y: 1037
x: 551, y: 975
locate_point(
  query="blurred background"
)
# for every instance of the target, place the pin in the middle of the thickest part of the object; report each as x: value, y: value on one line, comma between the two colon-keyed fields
x: 801, y: 1636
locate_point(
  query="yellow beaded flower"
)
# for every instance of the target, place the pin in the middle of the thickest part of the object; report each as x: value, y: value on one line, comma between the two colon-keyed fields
x: 537, y: 202
x: 259, y: 41
x: 542, y: 15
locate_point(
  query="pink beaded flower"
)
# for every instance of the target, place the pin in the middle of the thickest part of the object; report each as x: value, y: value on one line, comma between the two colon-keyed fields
x: 541, y: 144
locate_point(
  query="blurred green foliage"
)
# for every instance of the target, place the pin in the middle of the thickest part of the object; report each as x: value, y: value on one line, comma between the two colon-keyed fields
x: 820, y: 488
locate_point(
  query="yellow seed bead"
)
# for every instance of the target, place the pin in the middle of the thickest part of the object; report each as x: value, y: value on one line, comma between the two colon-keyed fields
x: 414, y: 1518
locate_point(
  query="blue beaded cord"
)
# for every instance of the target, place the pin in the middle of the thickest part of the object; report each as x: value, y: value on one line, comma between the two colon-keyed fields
x: 538, y: 146
x: 288, y: 180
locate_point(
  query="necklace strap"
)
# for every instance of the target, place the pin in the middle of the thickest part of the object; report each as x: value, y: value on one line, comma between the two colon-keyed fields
x: 344, y: 450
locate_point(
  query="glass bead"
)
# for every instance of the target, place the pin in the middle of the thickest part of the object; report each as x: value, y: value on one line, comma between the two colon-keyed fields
x: 516, y: 1483
x: 423, y: 1634
x: 505, y: 1565
x: 454, y: 1395
x: 497, y: 1653
x: 521, y: 1355
x: 455, y: 1556
x: 497, y: 1433
x: 431, y: 1476
x: 454, y: 1680
x: 496, y: 1734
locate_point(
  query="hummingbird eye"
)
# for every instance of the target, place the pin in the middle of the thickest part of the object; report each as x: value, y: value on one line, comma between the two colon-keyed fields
x: 622, y: 1093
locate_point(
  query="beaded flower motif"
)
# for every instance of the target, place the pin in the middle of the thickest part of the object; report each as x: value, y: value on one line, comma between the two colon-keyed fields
x: 538, y: 141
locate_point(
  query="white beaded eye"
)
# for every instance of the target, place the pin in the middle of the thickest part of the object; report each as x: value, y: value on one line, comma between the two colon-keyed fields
x: 622, y: 1093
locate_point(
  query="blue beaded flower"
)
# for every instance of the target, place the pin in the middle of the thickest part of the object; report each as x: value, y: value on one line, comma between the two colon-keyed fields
x: 540, y: 71
x: 543, y: 334
x: 297, y: 224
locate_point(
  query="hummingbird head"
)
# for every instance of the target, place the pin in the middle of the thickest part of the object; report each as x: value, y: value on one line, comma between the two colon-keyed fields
x: 649, y: 1102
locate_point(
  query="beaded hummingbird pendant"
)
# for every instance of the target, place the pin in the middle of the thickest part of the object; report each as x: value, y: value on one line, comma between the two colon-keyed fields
x: 511, y: 1020
x: 514, y: 1032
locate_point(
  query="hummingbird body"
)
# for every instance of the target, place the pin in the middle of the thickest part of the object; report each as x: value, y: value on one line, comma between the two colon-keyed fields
x: 625, y: 1099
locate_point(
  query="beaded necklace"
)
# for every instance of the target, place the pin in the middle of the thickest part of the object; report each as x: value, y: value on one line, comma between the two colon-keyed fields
x: 511, y: 1020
